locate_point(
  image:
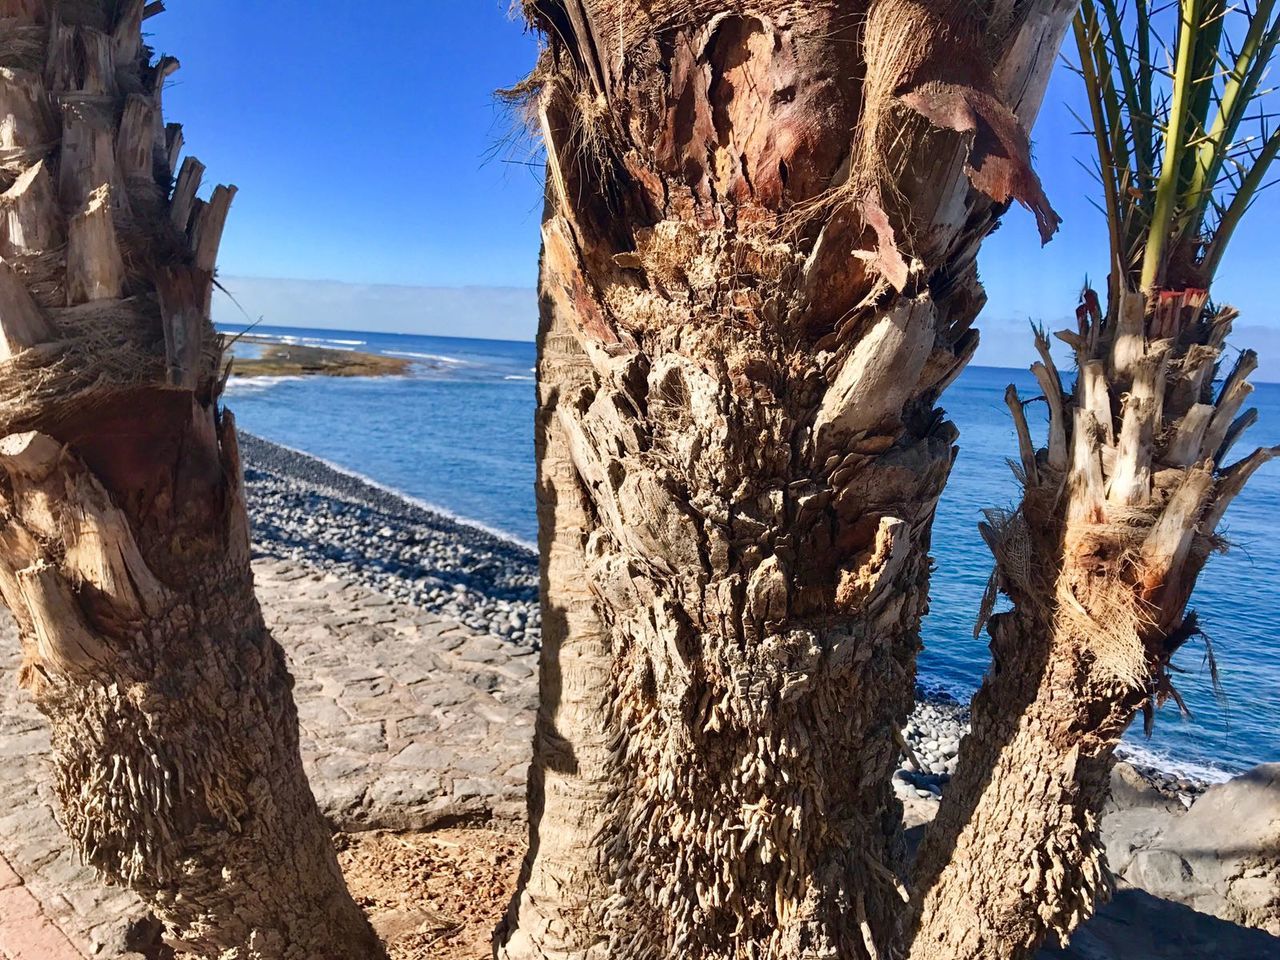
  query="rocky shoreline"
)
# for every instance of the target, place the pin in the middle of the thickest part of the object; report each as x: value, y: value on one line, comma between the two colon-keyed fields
x: 306, y: 511
x: 257, y: 356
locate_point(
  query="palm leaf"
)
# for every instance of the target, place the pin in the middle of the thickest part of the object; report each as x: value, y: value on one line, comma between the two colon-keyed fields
x: 1183, y: 145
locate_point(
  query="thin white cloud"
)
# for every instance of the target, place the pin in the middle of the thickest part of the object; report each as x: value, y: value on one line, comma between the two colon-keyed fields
x: 498, y: 313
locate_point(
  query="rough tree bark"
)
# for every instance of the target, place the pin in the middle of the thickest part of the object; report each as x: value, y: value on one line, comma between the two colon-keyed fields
x: 124, y: 543
x: 758, y: 276
x: 1118, y: 518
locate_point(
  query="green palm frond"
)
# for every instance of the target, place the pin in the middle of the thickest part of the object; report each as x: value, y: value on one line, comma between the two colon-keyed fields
x: 1183, y: 144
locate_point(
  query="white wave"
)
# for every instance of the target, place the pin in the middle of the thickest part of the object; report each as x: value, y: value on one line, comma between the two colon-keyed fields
x: 331, y: 344
x: 255, y: 337
x: 408, y: 498
x: 439, y: 358
x: 932, y: 688
x: 256, y: 384
x: 1179, y: 767
x: 518, y: 378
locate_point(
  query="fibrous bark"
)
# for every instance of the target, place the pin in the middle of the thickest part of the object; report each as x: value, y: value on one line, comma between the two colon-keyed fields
x: 1118, y: 518
x: 124, y: 542
x: 758, y: 276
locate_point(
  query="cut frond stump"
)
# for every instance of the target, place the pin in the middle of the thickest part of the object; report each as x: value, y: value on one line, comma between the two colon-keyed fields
x: 95, y: 268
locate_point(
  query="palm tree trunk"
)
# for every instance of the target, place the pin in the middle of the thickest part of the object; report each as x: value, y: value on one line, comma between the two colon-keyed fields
x: 124, y: 548
x: 758, y: 276
x: 1014, y: 853
x: 1100, y: 559
x: 571, y: 776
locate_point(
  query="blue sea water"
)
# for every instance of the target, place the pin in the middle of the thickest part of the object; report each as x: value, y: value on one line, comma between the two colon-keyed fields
x: 458, y: 434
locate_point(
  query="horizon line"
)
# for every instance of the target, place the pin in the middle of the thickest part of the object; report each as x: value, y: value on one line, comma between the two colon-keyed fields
x: 444, y: 336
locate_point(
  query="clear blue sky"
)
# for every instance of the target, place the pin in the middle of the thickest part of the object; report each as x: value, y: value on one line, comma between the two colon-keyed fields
x: 362, y: 136
x: 368, y: 149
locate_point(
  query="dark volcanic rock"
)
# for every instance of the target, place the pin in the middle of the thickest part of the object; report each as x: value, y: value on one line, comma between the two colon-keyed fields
x: 1138, y: 926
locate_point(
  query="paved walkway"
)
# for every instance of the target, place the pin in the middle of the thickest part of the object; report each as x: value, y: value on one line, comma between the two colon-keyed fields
x: 25, y: 932
x: 408, y: 721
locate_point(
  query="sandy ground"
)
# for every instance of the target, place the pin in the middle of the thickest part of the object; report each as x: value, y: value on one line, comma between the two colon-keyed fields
x: 436, y: 895
x: 439, y: 895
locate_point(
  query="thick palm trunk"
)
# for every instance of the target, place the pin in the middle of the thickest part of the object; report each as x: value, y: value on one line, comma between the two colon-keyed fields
x: 758, y: 275
x: 124, y: 547
x: 1100, y: 559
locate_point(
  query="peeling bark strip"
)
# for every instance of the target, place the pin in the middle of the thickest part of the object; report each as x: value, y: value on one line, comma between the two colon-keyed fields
x: 757, y: 278
x: 1117, y: 520
x: 124, y: 544
x: 1000, y: 157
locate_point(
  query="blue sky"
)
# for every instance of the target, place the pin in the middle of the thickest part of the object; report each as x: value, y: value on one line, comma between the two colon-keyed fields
x: 369, y: 150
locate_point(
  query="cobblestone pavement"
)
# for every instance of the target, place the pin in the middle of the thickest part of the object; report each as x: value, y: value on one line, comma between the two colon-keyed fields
x: 408, y: 721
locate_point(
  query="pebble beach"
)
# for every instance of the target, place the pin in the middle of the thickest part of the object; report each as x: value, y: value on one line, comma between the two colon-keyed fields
x: 305, y: 510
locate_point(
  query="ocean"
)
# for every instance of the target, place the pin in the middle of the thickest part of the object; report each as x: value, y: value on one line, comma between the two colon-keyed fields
x: 458, y: 434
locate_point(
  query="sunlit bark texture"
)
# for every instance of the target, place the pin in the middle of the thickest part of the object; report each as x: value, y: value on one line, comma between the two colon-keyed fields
x: 1118, y: 518
x: 758, y: 276
x: 124, y: 547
